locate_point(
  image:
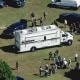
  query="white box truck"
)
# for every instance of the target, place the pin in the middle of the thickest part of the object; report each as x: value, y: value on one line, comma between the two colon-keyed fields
x: 41, y: 37
x: 66, y: 3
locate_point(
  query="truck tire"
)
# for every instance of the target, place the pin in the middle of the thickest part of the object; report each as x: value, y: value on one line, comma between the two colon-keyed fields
x: 70, y: 42
x: 33, y: 49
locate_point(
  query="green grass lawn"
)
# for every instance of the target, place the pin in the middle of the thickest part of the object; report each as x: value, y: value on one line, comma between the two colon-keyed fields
x: 29, y: 62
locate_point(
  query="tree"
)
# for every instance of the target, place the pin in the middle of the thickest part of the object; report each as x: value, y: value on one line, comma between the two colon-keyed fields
x: 5, y: 71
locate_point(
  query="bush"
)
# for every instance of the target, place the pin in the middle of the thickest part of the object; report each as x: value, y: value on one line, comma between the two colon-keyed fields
x: 5, y: 71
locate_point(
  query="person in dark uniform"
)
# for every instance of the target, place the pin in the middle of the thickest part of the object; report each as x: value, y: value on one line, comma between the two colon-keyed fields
x: 17, y: 65
x: 33, y: 16
x: 50, y: 55
x: 35, y: 22
x: 55, y: 22
x: 40, y: 70
x: 41, y: 22
x: 45, y: 14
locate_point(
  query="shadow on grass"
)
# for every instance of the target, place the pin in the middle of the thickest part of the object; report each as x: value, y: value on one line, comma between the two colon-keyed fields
x: 9, y: 49
x: 38, y: 75
x: 46, y: 59
x: 52, y: 58
x: 73, y: 74
x: 78, y: 39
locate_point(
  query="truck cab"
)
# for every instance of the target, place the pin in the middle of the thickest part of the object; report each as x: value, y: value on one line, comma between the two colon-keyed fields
x: 66, y: 37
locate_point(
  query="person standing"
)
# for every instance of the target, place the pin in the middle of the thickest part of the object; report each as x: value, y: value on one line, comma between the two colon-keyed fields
x: 56, y: 53
x: 17, y: 65
x: 77, y: 66
x: 54, y: 68
x: 40, y: 70
x: 45, y: 14
x: 74, y: 27
x: 46, y: 66
x: 55, y: 23
x: 76, y: 57
x: 35, y: 22
x: 41, y: 22
x: 50, y: 71
x: 69, y: 63
x: 33, y: 16
x: 71, y: 28
x: 65, y: 23
x: 65, y: 64
x: 50, y: 55
x: 46, y: 72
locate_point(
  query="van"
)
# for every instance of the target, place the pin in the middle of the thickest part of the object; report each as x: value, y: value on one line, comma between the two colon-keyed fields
x: 66, y: 3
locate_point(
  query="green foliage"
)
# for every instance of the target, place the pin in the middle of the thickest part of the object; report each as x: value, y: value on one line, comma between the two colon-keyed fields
x: 5, y: 71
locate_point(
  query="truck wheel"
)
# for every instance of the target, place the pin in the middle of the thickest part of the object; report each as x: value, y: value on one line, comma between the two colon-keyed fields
x: 70, y: 42
x: 33, y: 49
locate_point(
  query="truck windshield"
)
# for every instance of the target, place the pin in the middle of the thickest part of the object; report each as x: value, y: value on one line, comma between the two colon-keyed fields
x: 64, y: 35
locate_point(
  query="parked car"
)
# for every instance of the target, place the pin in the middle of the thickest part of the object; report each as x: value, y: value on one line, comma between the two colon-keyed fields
x: 2, y: 3
x: 19, y: 78
x: 22, y: 24
x: 16, y: 3
x: 62, y: 17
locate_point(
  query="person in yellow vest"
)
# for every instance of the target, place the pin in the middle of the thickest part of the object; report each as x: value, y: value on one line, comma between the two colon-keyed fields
x: 65, y: 22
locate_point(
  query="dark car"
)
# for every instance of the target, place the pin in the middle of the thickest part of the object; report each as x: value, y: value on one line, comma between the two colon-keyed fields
x: 70, y: 17
x: 19, y: 78
x: 22, y: 24
x: 62, y: 17
x: 16, y: 3
x: 2, y: 3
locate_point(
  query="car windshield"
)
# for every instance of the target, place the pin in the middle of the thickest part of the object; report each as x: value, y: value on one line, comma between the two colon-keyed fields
x: 64, y: 35
x: 15, y: 25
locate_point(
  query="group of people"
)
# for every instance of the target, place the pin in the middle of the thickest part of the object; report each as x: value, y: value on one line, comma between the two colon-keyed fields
x: 34, y: 20
x: 74, y: 27
x: 59, y: 63
x: 49, y: 70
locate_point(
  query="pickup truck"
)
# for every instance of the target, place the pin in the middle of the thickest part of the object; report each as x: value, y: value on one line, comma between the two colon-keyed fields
x: 70, y: 17
x: 9, y: 31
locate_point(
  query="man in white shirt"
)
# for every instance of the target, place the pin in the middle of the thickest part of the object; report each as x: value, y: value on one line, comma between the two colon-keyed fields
x: 76, y: 57
x: 65, y: 63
